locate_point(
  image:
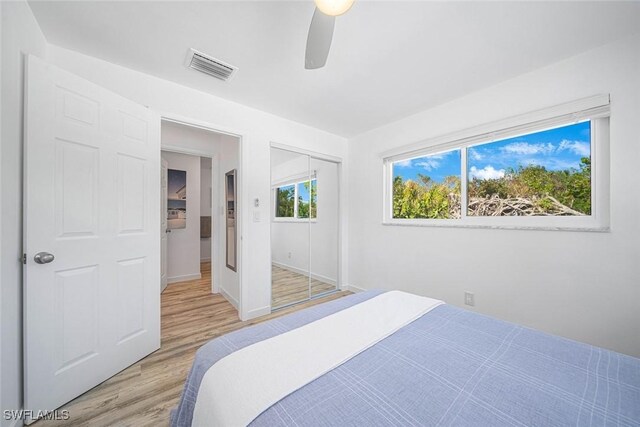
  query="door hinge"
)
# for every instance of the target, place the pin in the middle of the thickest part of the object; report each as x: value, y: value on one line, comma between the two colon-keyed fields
x: 24, y: 258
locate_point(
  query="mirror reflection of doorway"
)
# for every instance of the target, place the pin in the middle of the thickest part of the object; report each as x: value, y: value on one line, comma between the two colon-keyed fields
x: 304, y: 227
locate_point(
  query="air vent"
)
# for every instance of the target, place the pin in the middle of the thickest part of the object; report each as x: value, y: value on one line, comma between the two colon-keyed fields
x: 209, y: 65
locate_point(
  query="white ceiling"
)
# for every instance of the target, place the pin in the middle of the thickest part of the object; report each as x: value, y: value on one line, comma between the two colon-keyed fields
x: 388, y: 59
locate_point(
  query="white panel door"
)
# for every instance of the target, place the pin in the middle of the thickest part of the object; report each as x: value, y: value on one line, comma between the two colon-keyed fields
x: 164, y: 185
x: 92, y: 161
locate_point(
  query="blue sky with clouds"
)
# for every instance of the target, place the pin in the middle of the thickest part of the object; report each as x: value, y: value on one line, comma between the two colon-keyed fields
x: 555, y: 149
x: 436, y: 166
x: 303, y: 192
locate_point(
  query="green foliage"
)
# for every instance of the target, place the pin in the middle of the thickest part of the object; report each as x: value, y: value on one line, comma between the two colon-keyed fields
x: 580, y: 187
x: 571, y: 187
x: 314, y: 198
x: 285, y: 202
x: 304, y: 207
x: 425, y: 199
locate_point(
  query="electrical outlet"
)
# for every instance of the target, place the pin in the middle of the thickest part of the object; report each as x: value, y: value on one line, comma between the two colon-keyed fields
x: 289, y: 255
x: 469, y: 299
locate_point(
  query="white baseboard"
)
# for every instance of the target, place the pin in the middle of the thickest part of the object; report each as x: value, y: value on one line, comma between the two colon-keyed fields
x: 232, y: 301
x: 184, y: 278
x: 353, y: 288
x: 315, y: 276
x: 205, y: 259
x: 262, y: 311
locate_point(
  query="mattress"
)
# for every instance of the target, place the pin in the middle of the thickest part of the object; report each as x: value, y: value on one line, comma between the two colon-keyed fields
x: 449, y: 367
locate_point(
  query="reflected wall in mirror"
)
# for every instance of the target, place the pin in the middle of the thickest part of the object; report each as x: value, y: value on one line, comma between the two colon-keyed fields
x: 304, y: 227
x: 323, y: 231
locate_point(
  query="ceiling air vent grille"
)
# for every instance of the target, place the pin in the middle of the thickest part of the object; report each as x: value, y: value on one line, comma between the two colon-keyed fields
x: 209, y: 65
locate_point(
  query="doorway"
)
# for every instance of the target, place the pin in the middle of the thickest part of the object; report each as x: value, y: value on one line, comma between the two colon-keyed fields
x: 195, y: 233
x: 92, y: 219
x: 186, y: 241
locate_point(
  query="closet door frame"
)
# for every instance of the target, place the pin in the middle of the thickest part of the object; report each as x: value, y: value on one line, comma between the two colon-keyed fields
x: 339, y: 163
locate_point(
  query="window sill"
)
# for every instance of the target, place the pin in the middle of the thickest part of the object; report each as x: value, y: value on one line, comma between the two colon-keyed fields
x: 295, y: 220
x: 449, y: 223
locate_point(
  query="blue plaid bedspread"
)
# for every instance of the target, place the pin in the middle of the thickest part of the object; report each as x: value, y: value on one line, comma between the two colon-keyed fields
x: 450, y: 367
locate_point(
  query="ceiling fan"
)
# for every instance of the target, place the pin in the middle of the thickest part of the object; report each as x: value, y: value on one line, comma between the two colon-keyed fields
x: 321, y: 31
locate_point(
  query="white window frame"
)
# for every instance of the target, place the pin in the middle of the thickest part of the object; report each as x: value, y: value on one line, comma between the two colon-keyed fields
x: 295, y: 183
x: 595, y: 109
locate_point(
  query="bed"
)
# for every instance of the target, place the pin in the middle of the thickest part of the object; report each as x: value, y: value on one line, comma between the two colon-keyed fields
x: 448, y: 366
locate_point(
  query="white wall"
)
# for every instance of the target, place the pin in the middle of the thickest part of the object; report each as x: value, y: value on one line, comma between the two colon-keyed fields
x: 309, y: 246
x: 205, y: 204
x: 258, y: 130
x: 183, y: 245
x: 581, y: 285
x: 20, y: 34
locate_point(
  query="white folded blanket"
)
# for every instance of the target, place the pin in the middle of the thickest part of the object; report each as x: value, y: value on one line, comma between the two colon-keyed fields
x: 242, y: 385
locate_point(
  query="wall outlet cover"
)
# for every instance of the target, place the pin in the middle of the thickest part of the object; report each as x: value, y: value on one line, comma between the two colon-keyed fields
x: 469, y: 299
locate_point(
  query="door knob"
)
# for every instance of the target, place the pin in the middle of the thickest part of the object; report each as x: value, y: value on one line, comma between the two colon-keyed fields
x: 43, y: 258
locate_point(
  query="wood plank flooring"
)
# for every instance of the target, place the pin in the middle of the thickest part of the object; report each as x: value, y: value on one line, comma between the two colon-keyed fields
x: 144, y: 393
x: 289, y: 287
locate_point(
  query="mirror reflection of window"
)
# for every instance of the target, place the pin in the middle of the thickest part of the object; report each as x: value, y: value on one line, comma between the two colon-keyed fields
x: 304, y: 227
x: 307, y: 199
x: 297, y: 200
x: 285, y: 201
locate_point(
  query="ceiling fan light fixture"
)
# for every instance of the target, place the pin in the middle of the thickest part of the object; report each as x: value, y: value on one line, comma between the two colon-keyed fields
x: 334, y: 7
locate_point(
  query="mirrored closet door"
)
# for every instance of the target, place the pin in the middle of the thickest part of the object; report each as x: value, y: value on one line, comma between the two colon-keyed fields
x: 323, y: 227
x: 304, y: 227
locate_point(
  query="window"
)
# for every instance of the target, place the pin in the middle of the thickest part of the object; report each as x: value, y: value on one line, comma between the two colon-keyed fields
x: 297, y: 200
x: 427, y: 187
x: 536, y: 175
x: 542, y: 173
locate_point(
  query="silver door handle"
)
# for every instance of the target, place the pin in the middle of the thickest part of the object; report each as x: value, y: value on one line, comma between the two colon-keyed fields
x: 43, y: 258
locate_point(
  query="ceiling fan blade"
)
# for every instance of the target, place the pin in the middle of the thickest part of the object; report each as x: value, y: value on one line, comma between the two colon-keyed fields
x: 319, y: 40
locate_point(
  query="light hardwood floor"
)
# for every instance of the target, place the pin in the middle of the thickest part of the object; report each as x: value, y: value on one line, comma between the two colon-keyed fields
x: 289, y: 287
x: 144, y: 393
